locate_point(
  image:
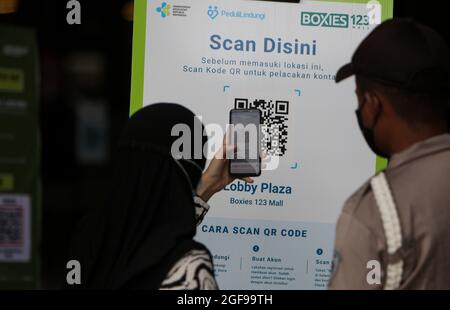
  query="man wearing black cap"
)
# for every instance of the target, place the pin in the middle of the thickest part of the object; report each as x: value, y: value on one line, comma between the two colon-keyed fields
x: 394, y: 232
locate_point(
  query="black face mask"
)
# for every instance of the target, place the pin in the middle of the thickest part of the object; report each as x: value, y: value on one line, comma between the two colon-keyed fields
x: 192, y: 171
x: 369, y: 135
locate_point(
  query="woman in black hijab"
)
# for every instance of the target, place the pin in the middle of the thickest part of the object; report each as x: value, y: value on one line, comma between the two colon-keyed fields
x: 143, y: 237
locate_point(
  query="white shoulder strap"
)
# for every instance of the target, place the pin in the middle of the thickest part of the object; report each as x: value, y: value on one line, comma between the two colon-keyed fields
x: 392, y: 229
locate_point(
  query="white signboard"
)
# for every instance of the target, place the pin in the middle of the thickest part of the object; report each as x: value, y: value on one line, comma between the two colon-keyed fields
x: 213, y: 56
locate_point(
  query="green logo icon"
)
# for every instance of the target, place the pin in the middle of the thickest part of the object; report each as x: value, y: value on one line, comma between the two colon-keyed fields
x: 332, y: 20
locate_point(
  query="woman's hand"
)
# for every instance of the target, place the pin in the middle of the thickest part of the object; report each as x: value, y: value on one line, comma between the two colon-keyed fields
x: 217, y: 176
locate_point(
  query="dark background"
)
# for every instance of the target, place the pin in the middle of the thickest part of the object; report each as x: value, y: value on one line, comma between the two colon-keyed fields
x: 91, y: 63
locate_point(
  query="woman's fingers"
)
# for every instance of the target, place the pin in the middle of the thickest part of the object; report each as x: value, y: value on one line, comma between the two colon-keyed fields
x: 247, y: 179
x: 264, y: 154
x: 229, y: 151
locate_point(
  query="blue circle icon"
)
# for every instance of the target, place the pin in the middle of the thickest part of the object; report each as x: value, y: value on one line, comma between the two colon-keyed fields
x: 319, y: 252
x: 255, y: 248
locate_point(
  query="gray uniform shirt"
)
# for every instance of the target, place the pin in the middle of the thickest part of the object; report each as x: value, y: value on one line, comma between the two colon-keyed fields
x: 419, y: 180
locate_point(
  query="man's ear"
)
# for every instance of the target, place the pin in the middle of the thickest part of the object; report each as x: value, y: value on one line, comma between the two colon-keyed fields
x: 372, y: 110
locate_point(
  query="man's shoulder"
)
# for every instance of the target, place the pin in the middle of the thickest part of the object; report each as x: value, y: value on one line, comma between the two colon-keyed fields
x: 362, y: 208
x: 354, y: 202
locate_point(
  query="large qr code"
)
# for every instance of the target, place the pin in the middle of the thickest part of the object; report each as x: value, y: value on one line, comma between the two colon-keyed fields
x: 11, y: 226
x: 274, y: 127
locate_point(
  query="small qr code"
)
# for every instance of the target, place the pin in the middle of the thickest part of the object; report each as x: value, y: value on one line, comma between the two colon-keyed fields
x: 274, y: 123
x: 11, y: 226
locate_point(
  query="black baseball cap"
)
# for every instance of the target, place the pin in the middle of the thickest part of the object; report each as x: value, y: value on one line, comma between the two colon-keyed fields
x: 403, y: 54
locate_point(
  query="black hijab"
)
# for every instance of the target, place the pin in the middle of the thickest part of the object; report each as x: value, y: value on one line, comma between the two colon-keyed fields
x: 149, y: 220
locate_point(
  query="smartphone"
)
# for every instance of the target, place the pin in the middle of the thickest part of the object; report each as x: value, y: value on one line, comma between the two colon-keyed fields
x: 245, y: 134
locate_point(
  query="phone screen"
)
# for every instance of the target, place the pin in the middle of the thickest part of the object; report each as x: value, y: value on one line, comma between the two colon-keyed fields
x: 244, y: 133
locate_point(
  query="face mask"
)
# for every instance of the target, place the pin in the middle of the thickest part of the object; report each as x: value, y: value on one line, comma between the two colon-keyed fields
x: 188, y: 178
x: 369, y: 135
